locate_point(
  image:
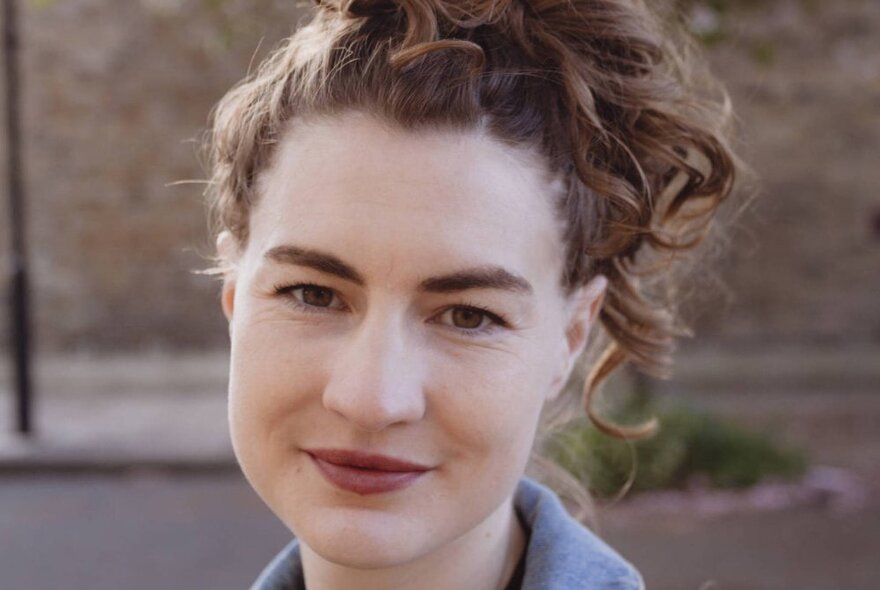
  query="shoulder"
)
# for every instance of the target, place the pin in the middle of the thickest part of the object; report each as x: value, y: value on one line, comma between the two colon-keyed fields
x: 284, y: 572
x: 562, y: 554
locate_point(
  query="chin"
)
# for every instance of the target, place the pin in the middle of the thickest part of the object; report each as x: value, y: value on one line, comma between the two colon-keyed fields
x: 363, y: 545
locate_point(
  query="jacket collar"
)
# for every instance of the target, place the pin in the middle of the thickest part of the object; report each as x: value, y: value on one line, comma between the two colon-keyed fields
x: 561, y: 554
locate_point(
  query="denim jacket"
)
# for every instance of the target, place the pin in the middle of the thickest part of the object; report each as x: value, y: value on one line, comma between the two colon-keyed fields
x: 561, y: 553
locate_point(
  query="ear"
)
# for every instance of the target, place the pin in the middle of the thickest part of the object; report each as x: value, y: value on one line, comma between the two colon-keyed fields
x: 582, y: 312
x: 228, y: 252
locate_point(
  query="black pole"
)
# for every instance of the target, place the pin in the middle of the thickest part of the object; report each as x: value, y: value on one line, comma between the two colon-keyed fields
x: 19, y: 283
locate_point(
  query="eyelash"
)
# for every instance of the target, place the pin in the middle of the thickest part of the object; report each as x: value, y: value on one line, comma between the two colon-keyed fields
x: 496, y: 320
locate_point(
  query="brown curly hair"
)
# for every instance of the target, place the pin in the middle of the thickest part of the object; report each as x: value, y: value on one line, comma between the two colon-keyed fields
x: 602, y: 89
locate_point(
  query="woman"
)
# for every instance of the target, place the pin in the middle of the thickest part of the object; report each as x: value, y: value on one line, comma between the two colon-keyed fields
x: 423, y: 209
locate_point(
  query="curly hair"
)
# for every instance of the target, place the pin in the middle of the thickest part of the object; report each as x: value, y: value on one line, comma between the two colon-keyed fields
x: 603, y: 89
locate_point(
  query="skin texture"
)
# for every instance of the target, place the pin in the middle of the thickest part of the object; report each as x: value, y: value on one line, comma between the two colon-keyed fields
x: 385, y: 368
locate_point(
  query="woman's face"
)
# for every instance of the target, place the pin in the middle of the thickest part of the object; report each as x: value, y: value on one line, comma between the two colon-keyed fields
x: 399, y: 237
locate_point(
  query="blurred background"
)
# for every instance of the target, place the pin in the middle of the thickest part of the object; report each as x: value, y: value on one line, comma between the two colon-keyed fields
x: 767, y: 472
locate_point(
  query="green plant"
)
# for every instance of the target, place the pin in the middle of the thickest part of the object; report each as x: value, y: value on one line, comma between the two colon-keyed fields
x: 690, y: 443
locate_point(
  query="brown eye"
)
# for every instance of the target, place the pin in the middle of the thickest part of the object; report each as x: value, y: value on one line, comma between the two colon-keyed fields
x: 310, y: 298
x: 317, y: 296
x: 466, y: 318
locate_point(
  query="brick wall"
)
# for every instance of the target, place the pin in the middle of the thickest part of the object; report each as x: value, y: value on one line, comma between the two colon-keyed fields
x: 117, y: 93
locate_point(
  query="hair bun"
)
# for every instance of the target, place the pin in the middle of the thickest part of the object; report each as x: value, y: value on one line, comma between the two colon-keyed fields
x: 360, y: 8
x: 372, y: 7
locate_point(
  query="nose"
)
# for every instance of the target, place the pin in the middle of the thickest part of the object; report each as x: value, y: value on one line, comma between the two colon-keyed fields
x: 377, y: 379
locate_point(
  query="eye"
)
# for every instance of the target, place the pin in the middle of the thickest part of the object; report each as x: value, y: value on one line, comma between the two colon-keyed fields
x: 470, y: 319
x: 473, y: 319
x: 311, y: 298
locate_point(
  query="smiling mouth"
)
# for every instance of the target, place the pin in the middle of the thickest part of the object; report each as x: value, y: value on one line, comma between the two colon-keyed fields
x: 364, y: 473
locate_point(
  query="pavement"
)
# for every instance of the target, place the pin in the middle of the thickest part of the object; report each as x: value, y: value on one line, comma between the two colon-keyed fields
x: 106, y: 414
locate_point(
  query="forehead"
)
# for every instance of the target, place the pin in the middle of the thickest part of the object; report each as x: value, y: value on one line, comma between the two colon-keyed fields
x: 352, y: 185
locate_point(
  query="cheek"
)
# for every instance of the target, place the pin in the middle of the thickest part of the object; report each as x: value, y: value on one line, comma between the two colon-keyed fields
x: 488, y: 404
x: 272, y: 377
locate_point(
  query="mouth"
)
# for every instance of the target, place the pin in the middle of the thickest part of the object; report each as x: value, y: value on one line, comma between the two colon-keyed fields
x: 364, y: 473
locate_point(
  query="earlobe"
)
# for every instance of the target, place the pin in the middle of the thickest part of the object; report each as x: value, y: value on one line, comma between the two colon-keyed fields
x: 582, y: 312
x: 227, y: 252
x: 227, y: 297
x: 595, y: 295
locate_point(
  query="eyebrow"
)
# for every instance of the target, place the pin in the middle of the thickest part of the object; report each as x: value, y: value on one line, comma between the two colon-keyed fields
x: 481, y: 277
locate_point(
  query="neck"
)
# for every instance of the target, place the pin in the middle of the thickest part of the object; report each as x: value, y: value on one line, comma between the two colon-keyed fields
x: 484, y: 558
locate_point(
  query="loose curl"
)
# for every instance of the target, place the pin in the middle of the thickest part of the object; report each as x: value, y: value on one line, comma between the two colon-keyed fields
x: 599, y: 87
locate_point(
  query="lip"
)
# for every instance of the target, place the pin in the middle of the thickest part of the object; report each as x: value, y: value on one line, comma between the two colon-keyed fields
x: 365, y: 473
